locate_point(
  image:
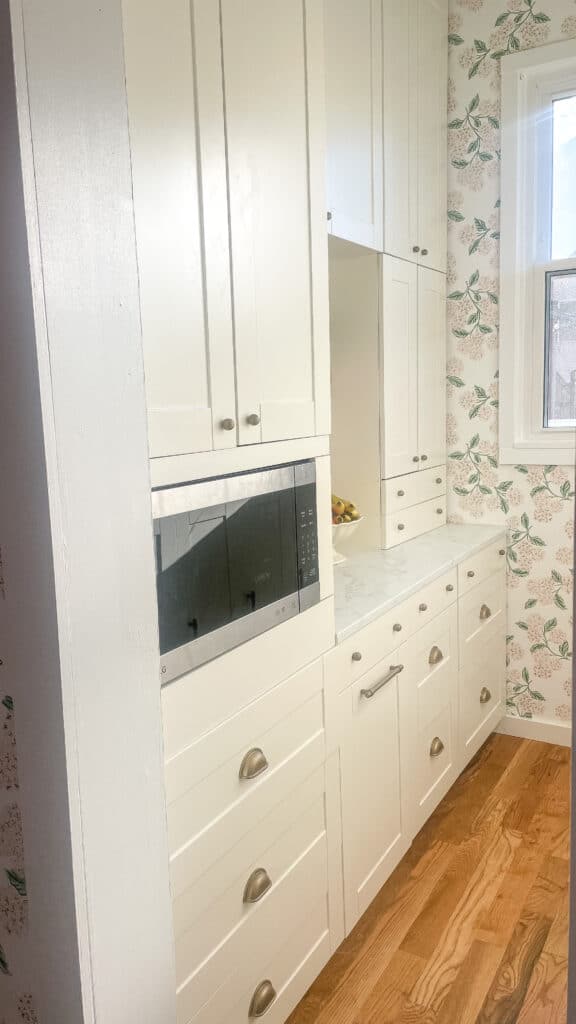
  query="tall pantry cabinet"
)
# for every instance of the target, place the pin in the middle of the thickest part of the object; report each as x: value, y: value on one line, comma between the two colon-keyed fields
x: 225, y: 106
x: 386, y: 79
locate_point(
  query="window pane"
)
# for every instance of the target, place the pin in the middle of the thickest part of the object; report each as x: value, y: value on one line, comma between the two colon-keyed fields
x: 563, y: 188
x: 560, y: 404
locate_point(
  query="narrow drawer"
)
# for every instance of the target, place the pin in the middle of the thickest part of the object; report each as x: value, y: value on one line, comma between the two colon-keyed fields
x: 481, y: 688
x: 412, y: 522
x: 236, y: 968
x: 480, y: 609
x: 404, y: 491
x: 481, y: 565
x: 349, y: 660
x: 240, y: 883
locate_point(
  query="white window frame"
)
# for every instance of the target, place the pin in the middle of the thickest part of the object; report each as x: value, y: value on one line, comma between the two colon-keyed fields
x: 530, y: 81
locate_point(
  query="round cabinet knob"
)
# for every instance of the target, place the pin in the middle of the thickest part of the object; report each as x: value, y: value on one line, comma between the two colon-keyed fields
x: 436, y: 747
x: 449, y: 587
x: 485, y: 695
x: 396, y: 627
x: 257, y: 886
x: 423, y: 607
x: 439, y: 480
x: 424, y: 458
x: 262, y: 999
x: 415, y: 458
x: 253, y: 764
x: 400, y: 526
x: 435, y: 656
x: 329, y: 215
x: 502, y: 551
x: 356, y: 656
x: 228, y: 424
x: 400, y: 493
x: 253, y: 419
x: 439, y: 511
x: 415, y: 248
x: 470, y: 573
x: 424, y: 252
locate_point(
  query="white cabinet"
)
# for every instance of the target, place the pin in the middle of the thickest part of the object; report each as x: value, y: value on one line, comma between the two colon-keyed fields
x: 387, y: 112
x: 225, y: 106
x: 413, y: 340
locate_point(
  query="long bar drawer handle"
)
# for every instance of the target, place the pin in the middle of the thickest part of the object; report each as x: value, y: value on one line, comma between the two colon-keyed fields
x: 436, y: 747
x: 257, y: 886
x: 262, y: 999
x: 373, y: 690
x: 485, y: 612
x: 435, y: 656
x: 253, y: 764
x: 485, y: 695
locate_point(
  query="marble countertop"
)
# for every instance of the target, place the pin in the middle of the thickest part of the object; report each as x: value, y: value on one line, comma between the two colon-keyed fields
x: 371, y: 582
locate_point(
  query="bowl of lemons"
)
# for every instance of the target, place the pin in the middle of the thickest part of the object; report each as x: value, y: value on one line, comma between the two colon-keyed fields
x: 346, y: 518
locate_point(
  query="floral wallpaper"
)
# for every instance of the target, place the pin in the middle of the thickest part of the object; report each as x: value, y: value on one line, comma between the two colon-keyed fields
x: 16, y: 1005
x: 535, y: 502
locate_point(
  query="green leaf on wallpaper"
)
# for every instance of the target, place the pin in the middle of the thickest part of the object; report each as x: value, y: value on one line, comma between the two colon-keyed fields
x: 474, y: 279
x: 480, y: 225
x: 461, y: 491
x: 493, y: 462
x: 455, y: 215
x: 520, y: 572
x: 485, y: 490
x: 456, y: 295
x: 456, y: 382
x: 522, y: 625
x: 475, y: 441
x: 502, y: 18
x: 549, y: 469
x: 474, y: 69
x: 537, y: 490
x: 565, y: 649
x: 513, y: 43
x: 480, y: 392
x: 537, y: 647
x: 525, y: 521
x: 521, y: 469
x: 536, y: 694
x: 17, y: 881
x: 8, y: 703
x: 530, y: 602
x: 473, y: 478
x: 541, y: 17
x: 551, y: 624
x: 459, y: 164
x: 512, y: 555
x: 456, y: 123
x: 560, y: 602
x: 454, y: 39
x: 474, y: 103
x: 493, y: 298
x: 506, y: 485
x: 485, y: 157
x: 457, y: 455
x: 525, y: 675
x: 493, y: 121
x: 474, y: 145
x: 3, y: 962
x: 458, y: 332
x: 485, y: 329
x: 537, y: 541
x: 566, y: 490
x: 480, y: 46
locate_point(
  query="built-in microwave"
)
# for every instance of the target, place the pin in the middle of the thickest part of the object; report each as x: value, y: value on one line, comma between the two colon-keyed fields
x: 235, y: 556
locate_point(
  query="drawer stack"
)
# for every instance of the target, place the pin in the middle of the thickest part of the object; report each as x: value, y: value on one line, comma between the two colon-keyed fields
x: 248, y: 848
x: 413, y: 504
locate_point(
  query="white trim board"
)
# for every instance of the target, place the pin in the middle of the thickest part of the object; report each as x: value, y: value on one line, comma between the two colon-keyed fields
x: 533, y: 729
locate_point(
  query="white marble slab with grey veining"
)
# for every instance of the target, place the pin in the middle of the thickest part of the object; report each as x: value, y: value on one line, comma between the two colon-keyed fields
x: 371, y: 582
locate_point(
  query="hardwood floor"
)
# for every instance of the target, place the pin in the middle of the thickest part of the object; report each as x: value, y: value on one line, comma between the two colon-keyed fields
x: 472, y: 927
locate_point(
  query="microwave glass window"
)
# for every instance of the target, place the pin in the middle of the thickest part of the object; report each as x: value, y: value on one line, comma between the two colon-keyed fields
x: 262, y: 551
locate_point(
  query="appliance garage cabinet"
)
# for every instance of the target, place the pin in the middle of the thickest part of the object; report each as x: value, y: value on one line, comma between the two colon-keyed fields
x: 226, y: 118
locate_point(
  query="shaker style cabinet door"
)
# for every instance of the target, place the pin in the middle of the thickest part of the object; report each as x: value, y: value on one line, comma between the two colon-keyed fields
x: 272, y: 58
x: 174, y: 90
x: 399, y: 332
x: 431, y: 368
x: 432, y: 71
x: 400, y: 148
x: 353, y: 40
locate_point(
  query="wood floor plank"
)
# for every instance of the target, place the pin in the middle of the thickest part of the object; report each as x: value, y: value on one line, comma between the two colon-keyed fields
x: 466, y: 997
x: 512, y: 980
x: 545, y: 1001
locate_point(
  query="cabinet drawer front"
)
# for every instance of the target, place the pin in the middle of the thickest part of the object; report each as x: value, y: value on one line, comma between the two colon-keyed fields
x: 481, y: 565
x: 239, y: 884
x: 412, y: 489
x: 480, y: 609
x: 354, y: 657
x: 430, y: 661
x: 411, y: 522
x: 240, y: 963
x: 481, y: 687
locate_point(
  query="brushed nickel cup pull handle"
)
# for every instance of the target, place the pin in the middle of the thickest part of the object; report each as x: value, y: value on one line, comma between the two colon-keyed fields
x: 356, y: 655
x: 253, y: 419
x: 485, y: 612
x: 422, y: 607
x: 262, y: 999
x: 371, y: 691
x: 253, y: 764
x: 485, y: 695
x: 470, y: 573
x: 436, y: 747
x: 228, y: 424
x: 435, y: 656
x: 257, y: 886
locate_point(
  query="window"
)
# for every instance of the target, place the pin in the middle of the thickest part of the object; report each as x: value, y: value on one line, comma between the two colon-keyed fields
x: 538, y: 256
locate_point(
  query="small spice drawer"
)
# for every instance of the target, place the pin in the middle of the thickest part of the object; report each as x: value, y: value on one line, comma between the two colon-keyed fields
x: 480, y: 610
x: 349, y: 660
x: 481, y: 565
x: 412, y: 522
x: 402, y: 492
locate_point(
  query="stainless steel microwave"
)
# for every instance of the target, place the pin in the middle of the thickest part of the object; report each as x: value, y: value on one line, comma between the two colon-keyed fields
x: 235, y: 556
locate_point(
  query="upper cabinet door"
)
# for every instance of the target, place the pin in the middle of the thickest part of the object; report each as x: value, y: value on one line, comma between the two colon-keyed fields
x: 431, y: 62
x: 400, y: 150
x: 353, y: 37
x: 273, y: 83
x: 431, y: 368
x: 399, y: 327
x: 175, y: 108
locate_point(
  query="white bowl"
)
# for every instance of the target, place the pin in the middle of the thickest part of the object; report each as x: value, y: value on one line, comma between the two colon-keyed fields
x: 342, y: 533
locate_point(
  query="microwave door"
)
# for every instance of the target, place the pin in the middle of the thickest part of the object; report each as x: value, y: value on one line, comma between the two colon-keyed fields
x: 263, y: 556
x: 192, y: 576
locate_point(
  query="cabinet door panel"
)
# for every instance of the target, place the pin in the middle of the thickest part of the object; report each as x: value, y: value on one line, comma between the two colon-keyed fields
x: 431, y: 62
x: 353, y: 35
x: 399, y: 367
x: 400, y: 128
x: 266, y: 72
x: 431, y: 368
x: 174, y: 86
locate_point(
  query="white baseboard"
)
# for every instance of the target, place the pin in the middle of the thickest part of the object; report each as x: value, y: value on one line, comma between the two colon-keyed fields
x: 533, y: 729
